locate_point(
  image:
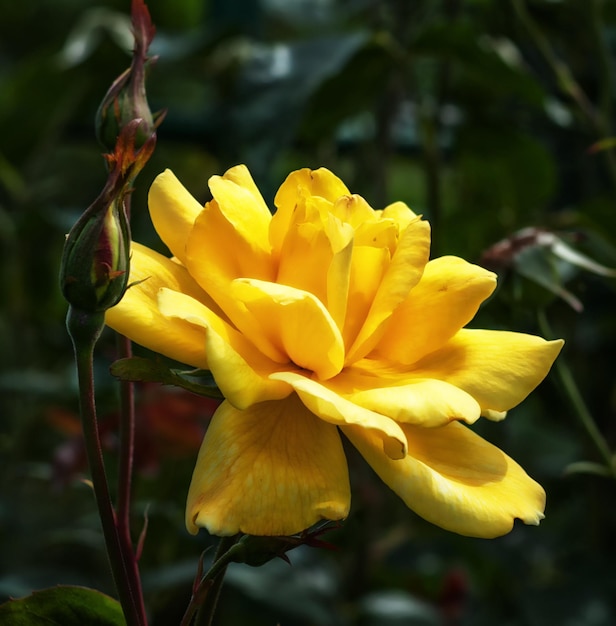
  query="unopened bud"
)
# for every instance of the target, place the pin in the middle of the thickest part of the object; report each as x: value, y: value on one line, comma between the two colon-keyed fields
x: 95, y: 264
x: 126, y: 99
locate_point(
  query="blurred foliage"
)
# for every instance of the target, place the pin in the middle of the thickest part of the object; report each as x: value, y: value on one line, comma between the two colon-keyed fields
x: 480, y: 115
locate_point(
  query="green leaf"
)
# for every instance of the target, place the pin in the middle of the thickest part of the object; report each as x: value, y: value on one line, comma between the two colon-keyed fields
x: 538, y: 265
x: 138, y: 369
x: 63, y: 606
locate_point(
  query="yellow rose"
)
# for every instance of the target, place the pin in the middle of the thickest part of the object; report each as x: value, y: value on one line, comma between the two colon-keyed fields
x: 328, y: 317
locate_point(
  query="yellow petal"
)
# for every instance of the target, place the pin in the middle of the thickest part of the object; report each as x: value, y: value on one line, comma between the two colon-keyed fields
x: 404, y: 272
x: 378, y: 234
x: 217, y: 253
x: 339, y: 275
x: 291, y: 325
x: 352, y: 209
x: 138, y: 317
x: 274, y: 469
x: 320, y: 182
x: 426, y: 402
x: 494, y: 416
x: 334, y: 409
x: 239, y: 369
x: 304, y: 182
x: 498, y: 368
x: 315, y: 234
x: 306, y: 238
x: 400, y: 213
x: 173, y: 211
x: 368, y: 266
x: 243, y: 206
x: 327, y: 185
x: 241, y: 176
x: 456, y: 480
x: 446, y: 298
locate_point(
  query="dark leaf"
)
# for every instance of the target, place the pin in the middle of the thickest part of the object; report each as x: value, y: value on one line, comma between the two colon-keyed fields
x: 480, y: 59
x: 138, y: 369
x: 63, y: 606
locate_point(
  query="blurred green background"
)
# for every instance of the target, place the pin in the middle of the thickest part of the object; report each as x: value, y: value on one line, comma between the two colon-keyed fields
x: 482, y: 115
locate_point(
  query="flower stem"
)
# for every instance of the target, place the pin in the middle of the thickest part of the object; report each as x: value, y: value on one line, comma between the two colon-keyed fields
x: 127, y: 439
x: 577, y: 401
x: 127, y: 425
x: 127, y: 448
x: 127, y: 443
x: 605, y: 82
x: 205, y: 597
x: 561, y: 71
x: 599, y: 117
x: 84, y: 329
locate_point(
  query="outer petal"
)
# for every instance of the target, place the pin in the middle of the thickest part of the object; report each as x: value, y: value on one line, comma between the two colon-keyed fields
x: 173, y: 211
x: 446, y: 298
x: 455, y: 479
x: 291, y: 325
x: 137, y: 315
x: 274, y: 469
x: 498, y: 368
x: 239, y: 369
x: 426, y: 402
x: 334, y: 409
x: 405, y: 271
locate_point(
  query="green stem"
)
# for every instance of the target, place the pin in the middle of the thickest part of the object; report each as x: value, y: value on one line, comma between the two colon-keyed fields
x: 577, y: 401
x: 563, y: 75
x: 604, y: 61
x: 205, y: 616
x: 84, y: 329
x: 205, y: 596
x: 600, y: 117
x: 606, y: 83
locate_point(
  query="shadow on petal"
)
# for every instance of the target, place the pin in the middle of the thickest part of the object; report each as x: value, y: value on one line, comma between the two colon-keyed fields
x: 273, y: 469
x: 456, y: 480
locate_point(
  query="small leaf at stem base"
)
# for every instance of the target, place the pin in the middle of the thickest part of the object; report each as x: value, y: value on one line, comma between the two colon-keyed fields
x: 138, y: 369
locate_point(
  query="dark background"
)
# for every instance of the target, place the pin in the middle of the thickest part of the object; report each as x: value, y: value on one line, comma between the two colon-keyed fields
x: 480, y: 115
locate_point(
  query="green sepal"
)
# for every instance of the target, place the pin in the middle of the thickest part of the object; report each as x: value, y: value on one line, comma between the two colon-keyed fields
x: 257, y: 550
x: 139, y: 369
x: 63, y: 606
